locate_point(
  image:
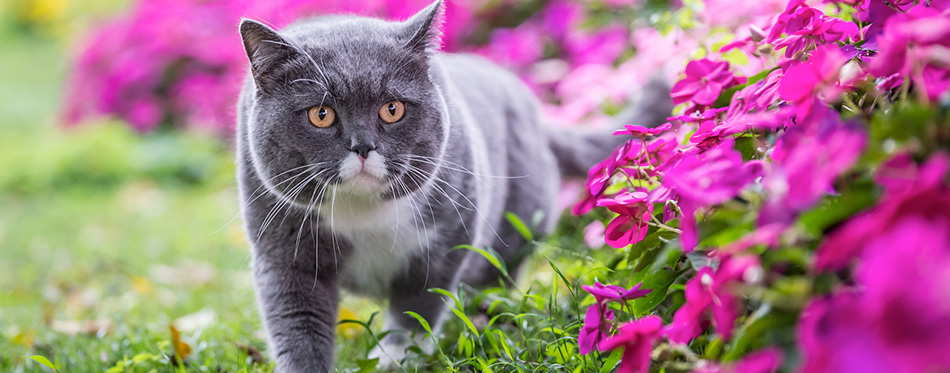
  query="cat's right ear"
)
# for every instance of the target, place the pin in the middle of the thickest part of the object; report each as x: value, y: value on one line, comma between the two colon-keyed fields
x: 265, y: 49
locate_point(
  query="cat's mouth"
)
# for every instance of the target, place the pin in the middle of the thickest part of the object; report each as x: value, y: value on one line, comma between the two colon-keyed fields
x: 364, y: 174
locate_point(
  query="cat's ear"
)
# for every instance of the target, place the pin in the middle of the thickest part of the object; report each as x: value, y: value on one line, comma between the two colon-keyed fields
x: 265, y: 49
x: 425, y: 28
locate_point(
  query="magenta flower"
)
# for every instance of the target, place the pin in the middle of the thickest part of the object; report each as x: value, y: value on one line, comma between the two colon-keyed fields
x: 636, y: 337
x: 914, y: 45
x: 766, y: 360
x: 518, y: 46
x: 898, y: 317
x: 807, y: 160
x: 598, y: 177
x: 925, y: 198
x: 600, y: 47
x: 803, y: 26
x: 712, y: 291
x: 641, y: 131
x: 596, y: 328
x: 613, y: 293
x: 630, y: 226
x: 594, y: 234
x: 703, y: 83
x: 178, y: 62
x: 819, y: 76
x: 707, y: 178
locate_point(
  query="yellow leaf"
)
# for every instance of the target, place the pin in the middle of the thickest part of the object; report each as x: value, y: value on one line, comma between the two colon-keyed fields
x: 182, y: 349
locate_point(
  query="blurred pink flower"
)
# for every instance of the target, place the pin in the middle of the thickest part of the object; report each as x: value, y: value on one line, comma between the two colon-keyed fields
x: 898, y: 317
x: 594, y: 234
x: 636, y: 337
x: 703, y: 83
x: 766, y: 360
x: 707, y: 178
x: 597, y: 47
x: 713, y: 291
x: 519, y: 46
x: 916, y: 45
x: 925, y: 198
x: 806, y: 161
x: 181, y: 63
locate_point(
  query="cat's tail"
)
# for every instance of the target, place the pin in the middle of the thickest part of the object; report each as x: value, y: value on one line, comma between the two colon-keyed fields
x: 578, y: 148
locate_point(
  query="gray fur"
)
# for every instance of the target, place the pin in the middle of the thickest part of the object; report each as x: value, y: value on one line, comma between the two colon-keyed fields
x: 470, y: 147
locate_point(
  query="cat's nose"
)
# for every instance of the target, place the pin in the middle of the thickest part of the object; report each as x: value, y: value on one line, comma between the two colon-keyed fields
x: 363, y: 149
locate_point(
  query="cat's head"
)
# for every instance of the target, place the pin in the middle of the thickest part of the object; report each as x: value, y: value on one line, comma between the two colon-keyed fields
x: 345, y: 103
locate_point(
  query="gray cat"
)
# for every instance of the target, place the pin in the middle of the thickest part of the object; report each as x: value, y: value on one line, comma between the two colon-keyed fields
x: 364, y: 157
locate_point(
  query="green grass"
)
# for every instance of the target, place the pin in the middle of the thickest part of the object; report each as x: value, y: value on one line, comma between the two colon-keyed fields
x: 109, y: 238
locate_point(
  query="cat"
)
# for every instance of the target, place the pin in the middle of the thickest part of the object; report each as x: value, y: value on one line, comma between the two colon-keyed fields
x: 364, y: 156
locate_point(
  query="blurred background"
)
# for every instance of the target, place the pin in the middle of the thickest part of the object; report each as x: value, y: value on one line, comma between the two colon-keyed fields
x: 118, y: 207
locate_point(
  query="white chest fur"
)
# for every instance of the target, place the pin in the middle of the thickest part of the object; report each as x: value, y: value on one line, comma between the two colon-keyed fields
x: 383, y: 235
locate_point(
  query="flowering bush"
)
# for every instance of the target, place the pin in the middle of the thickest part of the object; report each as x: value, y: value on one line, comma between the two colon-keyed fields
x: 805, y: 190
x: 792, y: 214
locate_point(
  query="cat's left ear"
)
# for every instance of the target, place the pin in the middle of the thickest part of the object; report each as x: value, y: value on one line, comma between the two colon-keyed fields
x: 425, y: 28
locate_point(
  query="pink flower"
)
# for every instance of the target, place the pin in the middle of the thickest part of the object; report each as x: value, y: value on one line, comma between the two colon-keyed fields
x: 636, y: 337
x: 807, y: 160
x: 703, y: 83
x: 712, y: 290
x: 642, y: 131
x: 630, y: 226
x: 702, y: 179
x: 766, y: 360
x: 594, y: 234
x: 598, y: 47
x: 613, y: 293
x: 517, y: 47
x: 802, y: 82
x: 898, y: 317
x: 596, y: 328
x: 803, y: 26
x: 915, y: 45
x: 926, y: 198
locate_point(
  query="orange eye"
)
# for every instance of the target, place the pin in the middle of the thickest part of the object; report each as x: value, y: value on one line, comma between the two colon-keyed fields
x: 392, y: 111
x: 321, y: 116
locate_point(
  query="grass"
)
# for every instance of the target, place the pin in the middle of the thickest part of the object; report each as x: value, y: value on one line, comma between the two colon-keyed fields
x: 109, y: 239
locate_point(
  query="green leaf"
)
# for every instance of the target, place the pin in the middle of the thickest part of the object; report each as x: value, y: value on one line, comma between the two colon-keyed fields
x: 659, y: 282
x: 519, y: 225
x: 612, y: 361
x: 833, y: 210
x: 465, y: 319
x: 561, y: 275
x: 42, y: 360
x: 491, y: 256
x: 751, y: 335
x: 422, y: 321
x: 458, y: 304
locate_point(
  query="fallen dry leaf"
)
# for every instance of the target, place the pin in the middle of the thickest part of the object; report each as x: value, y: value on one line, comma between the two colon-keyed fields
x: 182, y: 349
x: 256, y: 357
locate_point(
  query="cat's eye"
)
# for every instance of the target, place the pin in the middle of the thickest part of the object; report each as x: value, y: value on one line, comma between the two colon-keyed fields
x: 321, y: 116
x: 392, y: 111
